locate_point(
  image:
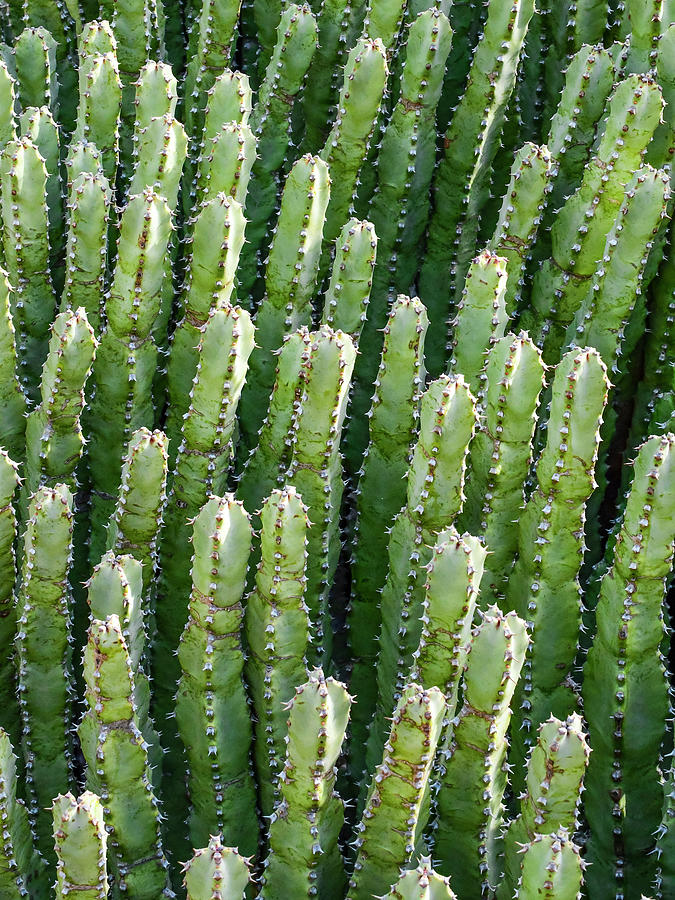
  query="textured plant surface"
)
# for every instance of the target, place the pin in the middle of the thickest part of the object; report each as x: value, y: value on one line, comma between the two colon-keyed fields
x: 337, y: 449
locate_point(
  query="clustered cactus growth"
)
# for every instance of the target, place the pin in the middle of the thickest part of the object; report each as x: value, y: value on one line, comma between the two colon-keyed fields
x: 337, y: 449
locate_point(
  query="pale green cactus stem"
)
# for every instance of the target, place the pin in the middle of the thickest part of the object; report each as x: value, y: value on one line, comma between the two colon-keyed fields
x: 421, y: 883
x: 385, y: 838
x: 665, y: 847
x: 474, y: 773
x: 7, y: 100
x: 554, y: 782
x: 346, y: 146
x: 624, y: 676
x: 551, y: 868
x: 315, y: 468
x: 159, y: 154
x: 229, y: 100
x: 82, y: 156
x: 520, y: 217
x: 212, y: 711
x: 117, y: 766
x: 95, y: 37
x: 225, y: 164
x: 266, y: 466
x: 25, y: 231
x: 54, y: 439
x: 126, y: 359
x: 12, y: 398
x: 89, y: 208
x: 156, y: 93
x: 544, y: 584
x: 662, y: 149
x: 304, y: 858
x: 43, y: 648
x: 481, y: 318
x: 643, y: 24
x: 434, y: 498
x: 296, y: 42
x: 17, y: 856
x: 9, y: 479
x: 216, y: 871
x: 380, y: 495
x: 217, y: 239
x: 461, y: 183
x: 346, y: 298
x: 500, y: 456
x: 80, y: 841
x: 580, y: 229
x: 277, y: 633
x: 605, y: 311
x: 290, y: 280
x: 98, y: 111
x: 35, y: 60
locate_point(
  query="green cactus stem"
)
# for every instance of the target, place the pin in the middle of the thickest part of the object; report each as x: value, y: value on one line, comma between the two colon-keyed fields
x: 304, y: 858
x: 117, y: 766
x: 17, y: 856
x: 82, y: 156
x: 35, y: 60
x: 461, y: 183
x: 7, y: 101
x: 9, y: 479
x: 160, y: 152
x: 421, y: 883
x: 551, y: 868
x: 43, y: 647
x: 212, y: 712
x: 385, y: 838
x: 277, y: 633
x: 216, y: 871
x: 642, y: 21
x: 662, y: 149
x: 80, y: 840
x: 225, y: 164
x: 666, y: 841
x: 229, y: 100
x: 346, y: 298
x: 474, y: 773
x: 623, y: 677
x: 98, y: 111
x: 12, y: 398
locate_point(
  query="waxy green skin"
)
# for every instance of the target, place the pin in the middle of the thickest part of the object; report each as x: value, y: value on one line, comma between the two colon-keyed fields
x: 80, y: 840
x: 315, y: 468
x: 35, y: 60
x: 295, y: 45
x: 160, y: 151
x: 386, y: 834
x: 665, y: 847
x: 23, y: 177
x: 277, y: 632
x: 229, y: 100
x: 12, y: 399
x: 54, y: 440
x: 551, y: 869
x: 17, y: 856
x: 9, y: 480
x: 662, y: 149
x: 642, y: 23
x: 481, y: 318
x: 7, y: 116
x: 44, y: 654
x: 434, y: 498
x: 100, y: 98
x: 500, y: 456
x: 554, y: 782
x: 117, y: 765
x: 290, y: 280
x: 82, y: 156
x: 216, y: 871
x: 623, y: 799
x: 473, y: 775
x: 421, y: 883
x: 581, y: 227
x: 346, y: 298
x: 381, y: 493
x: 225, y: 163
x: 304, y: 858
x: 544, y: 585
x: 212, y: 711
x: 462, y: 179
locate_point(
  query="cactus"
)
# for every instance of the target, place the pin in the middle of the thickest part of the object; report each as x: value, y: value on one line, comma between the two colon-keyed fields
x: 551, y: 868
x: 35, y: 60
x: 9, y: 479
x: 215, y: 871
x: 80, y: 841
x: 98, y: 111
x: 226, y: 162
x: 347, y: 296
x: 17, y: 856
x: 421, y: 883
x: 13, y: 402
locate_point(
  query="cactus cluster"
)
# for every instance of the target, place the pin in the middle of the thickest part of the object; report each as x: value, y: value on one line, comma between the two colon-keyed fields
x: 337, y: 449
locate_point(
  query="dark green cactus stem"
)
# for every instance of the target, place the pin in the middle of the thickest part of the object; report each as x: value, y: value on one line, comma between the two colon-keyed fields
x: 296, y: 42
x: 12, y: 398
x: 304, y: 858
x: 26, y: 251
x: 217, y: 239
x: 54, y: 440
x: 623, y: 677
x: 555, y: 776
x: 385, y: 838
x: 665, y: 846
x: 481, y: 318
x: 434, y: 498
x: 216, y: 871
x: 474, y: 774
x: 80, y: 841
x: 9, y: 479
x: 225, y: 164
x: 581, y: 228
x: 290, y: 280
x: 277, y: 633
x: 520, y: 217
x: 35, y: 60
x: 544, y: 585
x: 98, y: 111
x: 461, y: 184
x: 421, y: 883
x: 7, y: 100
x: 117, y: 766
x: 17, y: 856
x: 642, y: 21
x: 551, y: 868
x: 500, y: 456
x: 662, y: 149
x: 381, y: 494
x: 43, y: 647
x: 346, y: 298
x: 316, y: 468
